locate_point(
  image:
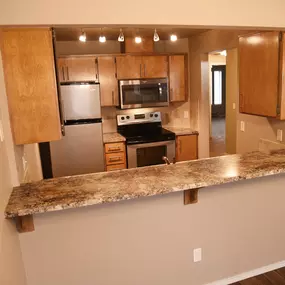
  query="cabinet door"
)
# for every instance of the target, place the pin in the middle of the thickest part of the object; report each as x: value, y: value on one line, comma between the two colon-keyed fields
x: 129, y: 67
x: 108, y: 81
x: 258, y: 73
x: 29, y: 70
x: 61, y: 66
x: 186, y: 147
x: 177, y: 78
x: 81, y: 69
x: 154, y: 66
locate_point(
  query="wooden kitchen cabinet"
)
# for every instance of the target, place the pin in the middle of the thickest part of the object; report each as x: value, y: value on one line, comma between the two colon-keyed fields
x: 177, y: 78
x: 108, y: 81
x: 72, y: 69
x: 261, y: 71
x: 154, y: 66
x: 129, y: 67
x: 135, y: 67
x: 186, y: 147
x: 115, y: 156
x: 29, y: 71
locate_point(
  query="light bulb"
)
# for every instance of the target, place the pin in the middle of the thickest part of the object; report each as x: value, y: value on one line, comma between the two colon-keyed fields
x: 138, y: 40
x: 155, y: 36
x: 102, y: 39
x: 82, y: 37
x: 121, y: 37
x: 173, y: 38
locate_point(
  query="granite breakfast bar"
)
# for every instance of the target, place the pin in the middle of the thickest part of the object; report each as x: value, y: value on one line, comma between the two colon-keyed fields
x: 108, y: 187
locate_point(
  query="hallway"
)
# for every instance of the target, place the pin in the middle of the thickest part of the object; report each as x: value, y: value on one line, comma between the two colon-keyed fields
x: 218, y: 139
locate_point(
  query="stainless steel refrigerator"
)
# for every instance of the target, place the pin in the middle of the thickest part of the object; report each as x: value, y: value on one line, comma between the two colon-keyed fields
x: 80, y: 151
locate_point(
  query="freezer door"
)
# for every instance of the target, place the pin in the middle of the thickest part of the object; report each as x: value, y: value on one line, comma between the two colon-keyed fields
x: 80, y: 151
x: 81, y: 101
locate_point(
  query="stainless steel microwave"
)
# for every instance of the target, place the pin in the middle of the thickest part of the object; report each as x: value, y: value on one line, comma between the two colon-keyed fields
x: 143, y: 93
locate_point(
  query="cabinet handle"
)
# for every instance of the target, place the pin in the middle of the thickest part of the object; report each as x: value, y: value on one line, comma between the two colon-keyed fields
x: 116, y: 158
x: 113, y: 99
x: 114, y: 148
x: 67, y: 72
x: 62, y: 69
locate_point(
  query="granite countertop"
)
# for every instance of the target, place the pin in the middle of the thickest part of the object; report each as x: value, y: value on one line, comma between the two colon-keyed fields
x: 180, y: 131
x: 107, y: 187
x: 113, y: 137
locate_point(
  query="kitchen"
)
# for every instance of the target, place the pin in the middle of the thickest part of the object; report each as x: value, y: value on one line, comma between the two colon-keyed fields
x: 119, y: 110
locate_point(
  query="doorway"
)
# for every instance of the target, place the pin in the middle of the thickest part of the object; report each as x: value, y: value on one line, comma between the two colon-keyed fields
x: 217, y: 92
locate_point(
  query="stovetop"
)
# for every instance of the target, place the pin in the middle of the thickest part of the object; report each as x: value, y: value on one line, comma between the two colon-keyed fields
x: 145, y: 133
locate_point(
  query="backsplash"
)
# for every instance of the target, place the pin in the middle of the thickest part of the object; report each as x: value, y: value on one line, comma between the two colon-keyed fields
x: 173, y: 115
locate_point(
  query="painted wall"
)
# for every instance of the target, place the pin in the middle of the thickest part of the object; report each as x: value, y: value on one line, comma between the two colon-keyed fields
x: 11, y: 264
x: 204, y: 12
x: 151, y: 240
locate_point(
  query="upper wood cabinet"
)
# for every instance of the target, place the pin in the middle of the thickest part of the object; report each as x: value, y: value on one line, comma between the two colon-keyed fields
x: 177, y: 78
x: 186, y: 147
x: 31, y: 88
x: 77, y: 69
x: 129, y: 67
x: 261, y: 68
x: 108, y: 81
x: 134, y: 67
x: 132, y: 47
x: 155, y: 66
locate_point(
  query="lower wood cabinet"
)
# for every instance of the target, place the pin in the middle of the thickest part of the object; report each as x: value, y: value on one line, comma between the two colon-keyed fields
x: 186, y: 147
x: 115, y: 156
x: 29, y: 71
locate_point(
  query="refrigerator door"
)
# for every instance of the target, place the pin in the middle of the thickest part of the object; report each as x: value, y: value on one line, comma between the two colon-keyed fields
x: 80, y: 101
x: 80, y: 151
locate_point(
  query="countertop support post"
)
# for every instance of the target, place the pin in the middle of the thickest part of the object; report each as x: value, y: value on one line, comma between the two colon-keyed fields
x: 191, y: 196
x: 25, y: 224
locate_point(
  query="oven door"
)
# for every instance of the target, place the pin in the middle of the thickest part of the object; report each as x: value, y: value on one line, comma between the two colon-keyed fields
x: 146, y: 154
x: 143, y: 93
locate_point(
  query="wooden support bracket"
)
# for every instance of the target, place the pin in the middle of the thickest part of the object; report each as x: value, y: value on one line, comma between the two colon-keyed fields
x: 25, y: 224
x: 191, y: 196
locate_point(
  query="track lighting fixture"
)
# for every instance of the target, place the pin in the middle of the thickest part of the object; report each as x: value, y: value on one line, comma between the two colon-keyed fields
x: 102, y: 38
x: 138, y: 40
x: 155, y: 36
x: 82, y: 37
x: 173, y: 38
x: 121, y: 36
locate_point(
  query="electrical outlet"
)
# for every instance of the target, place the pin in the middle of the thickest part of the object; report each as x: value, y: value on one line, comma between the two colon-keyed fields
x: 186, y: 115
x: 234, y: 106
x: 280, y: 135
x: 242, y: 126
x: 197, y: 254
x: 1, y: 132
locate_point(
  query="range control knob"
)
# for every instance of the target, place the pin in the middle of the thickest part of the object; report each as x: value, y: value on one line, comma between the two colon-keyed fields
x: 122, y: 118
x: 151, y: 115
x: 128, y: 117
x: 156, y: 115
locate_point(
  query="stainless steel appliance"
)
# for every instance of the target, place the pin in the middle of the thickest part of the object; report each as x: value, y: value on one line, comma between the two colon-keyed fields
x: 80, y: 151
x: 143, y: 93
x: 147, y: 142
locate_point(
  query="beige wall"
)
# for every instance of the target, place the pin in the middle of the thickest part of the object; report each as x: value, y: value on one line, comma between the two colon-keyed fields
x: 184, y: 12
x: 231, y: 99
x: 151, y: 240
x: 11, y: 264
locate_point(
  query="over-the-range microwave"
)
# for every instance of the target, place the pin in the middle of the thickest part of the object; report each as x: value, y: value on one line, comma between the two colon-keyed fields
x: 143, y: 93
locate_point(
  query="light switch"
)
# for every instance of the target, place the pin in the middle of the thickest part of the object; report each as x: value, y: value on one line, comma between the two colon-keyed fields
x: 280, y: 135
x: 242, y: 126
x: 197, y: 254
x: 1, y: 132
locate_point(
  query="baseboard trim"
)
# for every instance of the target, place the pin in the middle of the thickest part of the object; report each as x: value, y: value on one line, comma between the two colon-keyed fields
x: 249, y: 274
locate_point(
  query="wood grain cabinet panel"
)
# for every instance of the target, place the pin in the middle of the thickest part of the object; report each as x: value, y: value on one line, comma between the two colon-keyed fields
x: 81, y: 69
x: 129, y: 67
x: 154, y: 66
x: 177, y: 78
x: 29, y: 71
x: 115, y: 147
x: 186, y: 147
x: 259, y: 73
x: 108, y: 81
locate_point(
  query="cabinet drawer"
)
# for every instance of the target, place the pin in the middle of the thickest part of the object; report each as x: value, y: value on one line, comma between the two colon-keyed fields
x: 114, y: 147
x: 116, y: 167
x: 115, y: 158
